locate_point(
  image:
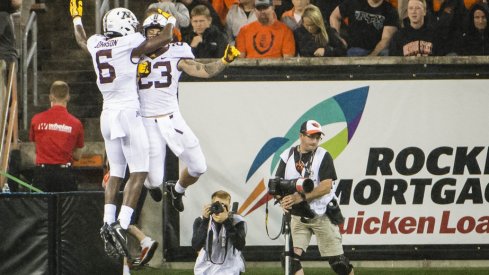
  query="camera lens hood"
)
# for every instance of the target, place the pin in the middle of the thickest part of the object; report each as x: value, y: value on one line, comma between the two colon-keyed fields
x: 305, y: 185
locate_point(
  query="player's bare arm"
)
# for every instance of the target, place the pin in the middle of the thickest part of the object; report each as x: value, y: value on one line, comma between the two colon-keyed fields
x: 197, y: 69
x: 208, y: 70
x: 81, y: 37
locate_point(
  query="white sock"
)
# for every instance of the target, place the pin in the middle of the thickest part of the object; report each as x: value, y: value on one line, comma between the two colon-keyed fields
x: 125, y: 216
x: 109, y: 213
x: 145, y: 242
x: 179, y: 188
x: 126, y: 270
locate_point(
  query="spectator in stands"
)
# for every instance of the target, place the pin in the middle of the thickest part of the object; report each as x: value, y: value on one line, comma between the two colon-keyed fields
x: 326, y: 7
x: 448, y: 18
x: 267, y: 37
x: 206, y: 40
x: 314, y: 39
x: 222, y: 8
x: 402, y: 11
x: 8, y: 53
x: 174, y: 8
x: 475, y: 40
x: 281, y: 6
x: 293, y: 17
x: 238, y: 16
x: 372, y: 23
x: 417, y: 37
x: 219, y: 236
x: 58, y: 136
x: 191, y: 4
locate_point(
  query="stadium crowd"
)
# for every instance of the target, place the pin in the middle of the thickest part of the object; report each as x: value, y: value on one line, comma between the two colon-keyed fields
x: 288, y: 28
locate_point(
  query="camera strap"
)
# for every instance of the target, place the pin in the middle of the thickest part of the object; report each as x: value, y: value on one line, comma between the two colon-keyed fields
x: 210, y: 242
x: 307, y: 168
x: 266, y: 224
x: 304, y: 168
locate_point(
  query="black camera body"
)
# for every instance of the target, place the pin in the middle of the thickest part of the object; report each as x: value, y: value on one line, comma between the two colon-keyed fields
x: 281, y: 187
x: 216, y: 208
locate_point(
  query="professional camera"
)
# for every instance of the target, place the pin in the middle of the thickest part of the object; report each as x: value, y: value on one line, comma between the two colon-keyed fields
x: 216, y: 208
x: 281, y: 187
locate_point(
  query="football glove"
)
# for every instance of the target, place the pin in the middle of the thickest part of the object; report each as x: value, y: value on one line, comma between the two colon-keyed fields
x: 76, y: 8
x: 144, y: 68
x: 169, y: 18
x: 230, y: 54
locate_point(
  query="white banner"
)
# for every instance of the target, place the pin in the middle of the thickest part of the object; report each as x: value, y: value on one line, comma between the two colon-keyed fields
x: 411, y: 157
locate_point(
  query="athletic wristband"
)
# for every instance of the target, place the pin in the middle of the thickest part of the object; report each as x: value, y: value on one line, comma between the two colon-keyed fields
x: 77, y: 21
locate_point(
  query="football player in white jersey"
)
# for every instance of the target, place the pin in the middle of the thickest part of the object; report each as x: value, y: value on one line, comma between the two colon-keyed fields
x: 115, y: 56
x: 159, y: 73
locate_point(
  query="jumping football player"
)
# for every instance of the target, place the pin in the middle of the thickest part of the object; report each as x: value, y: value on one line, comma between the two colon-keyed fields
x: 159, y: 73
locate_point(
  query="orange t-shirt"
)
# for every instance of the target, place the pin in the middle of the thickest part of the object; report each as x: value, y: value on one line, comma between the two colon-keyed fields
x: 469, y: 3
x: 258, y: 41
x: 222, y: 8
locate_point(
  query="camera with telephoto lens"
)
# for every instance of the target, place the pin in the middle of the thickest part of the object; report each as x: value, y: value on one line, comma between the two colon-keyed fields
x: 216, y: 208
x: 281, y: 187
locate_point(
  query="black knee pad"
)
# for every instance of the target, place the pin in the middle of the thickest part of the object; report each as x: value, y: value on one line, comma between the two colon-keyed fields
x: 340, y: 264
x: 295, y: 263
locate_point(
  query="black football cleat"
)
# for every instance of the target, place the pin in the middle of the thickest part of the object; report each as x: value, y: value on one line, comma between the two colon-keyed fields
x: 156, y: 194
x: 109, y: 245
x: 176, y: 198
x: 119, y: 236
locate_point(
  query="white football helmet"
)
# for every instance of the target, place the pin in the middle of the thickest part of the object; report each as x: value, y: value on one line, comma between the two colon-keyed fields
x: 119, y: 22
x: 154, y: 21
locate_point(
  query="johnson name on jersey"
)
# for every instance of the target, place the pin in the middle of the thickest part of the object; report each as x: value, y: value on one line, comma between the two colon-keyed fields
x: 116, y: 72
x: 158, y: 80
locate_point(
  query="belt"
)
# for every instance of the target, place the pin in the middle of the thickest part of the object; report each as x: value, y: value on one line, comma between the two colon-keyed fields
x: 67, y: 165
x: 160, y: 116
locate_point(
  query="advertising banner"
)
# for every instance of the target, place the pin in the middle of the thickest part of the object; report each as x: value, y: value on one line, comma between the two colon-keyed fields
x: 411, y: 157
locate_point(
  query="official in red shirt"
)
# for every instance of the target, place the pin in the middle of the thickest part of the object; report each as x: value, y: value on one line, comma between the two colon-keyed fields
x: 58, y: 136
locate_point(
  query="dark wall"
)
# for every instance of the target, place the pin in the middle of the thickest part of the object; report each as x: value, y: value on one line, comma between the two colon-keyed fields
x: 53, y: 234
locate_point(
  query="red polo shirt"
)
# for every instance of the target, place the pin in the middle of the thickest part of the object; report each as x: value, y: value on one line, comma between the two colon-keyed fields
x: 56, y: 134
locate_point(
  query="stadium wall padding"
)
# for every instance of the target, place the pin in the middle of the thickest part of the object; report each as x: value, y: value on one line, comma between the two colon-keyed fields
x: 53, y: 233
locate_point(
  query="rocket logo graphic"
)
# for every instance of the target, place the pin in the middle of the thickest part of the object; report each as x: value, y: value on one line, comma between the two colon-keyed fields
x: 344, y: 109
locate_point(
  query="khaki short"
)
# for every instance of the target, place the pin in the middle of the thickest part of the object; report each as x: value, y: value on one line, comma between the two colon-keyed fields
x: 327, y: 234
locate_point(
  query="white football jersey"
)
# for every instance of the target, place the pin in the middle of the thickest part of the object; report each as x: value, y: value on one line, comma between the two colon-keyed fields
x: 158, y: 86
x: 116, y: 72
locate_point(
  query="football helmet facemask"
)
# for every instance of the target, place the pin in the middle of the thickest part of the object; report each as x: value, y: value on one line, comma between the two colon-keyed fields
x: 154, y: 21
x: 119, y: 22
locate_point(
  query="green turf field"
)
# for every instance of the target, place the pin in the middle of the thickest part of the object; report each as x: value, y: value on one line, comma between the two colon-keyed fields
x: 322, y: 271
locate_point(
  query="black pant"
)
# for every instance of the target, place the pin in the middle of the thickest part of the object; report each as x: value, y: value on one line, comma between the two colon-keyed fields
x: 54, y: 178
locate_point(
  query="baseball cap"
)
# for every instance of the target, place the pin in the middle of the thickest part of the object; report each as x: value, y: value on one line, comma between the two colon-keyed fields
x: 311, y: 127
x: 263, y: 3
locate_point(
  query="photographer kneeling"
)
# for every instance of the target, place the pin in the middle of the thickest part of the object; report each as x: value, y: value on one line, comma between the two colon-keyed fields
x: 308, y: 160
x: 220, y: 235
